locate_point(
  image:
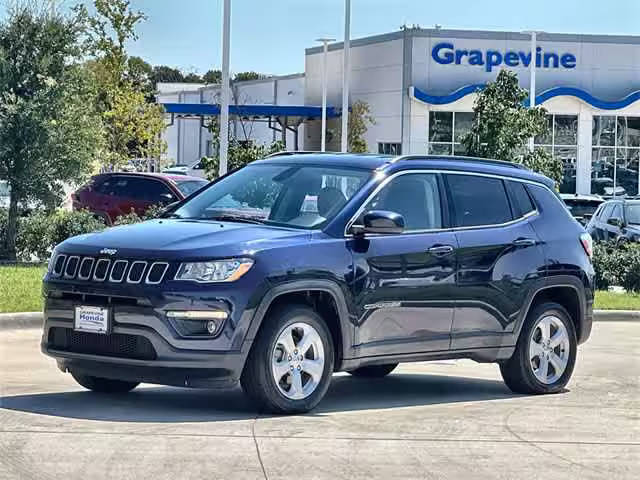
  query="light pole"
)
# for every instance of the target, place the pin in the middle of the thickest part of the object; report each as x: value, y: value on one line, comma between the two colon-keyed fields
x: 323, y: 134
x: 346, y: 71
x: 224, y: 88
x: 532, y: 72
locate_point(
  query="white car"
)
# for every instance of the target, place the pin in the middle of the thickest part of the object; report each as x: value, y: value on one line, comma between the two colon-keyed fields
x: 195, y: 170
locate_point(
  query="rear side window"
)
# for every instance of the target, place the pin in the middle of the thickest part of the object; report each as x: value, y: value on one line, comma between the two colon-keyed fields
x: 520, y: 199
x: 478, y: 201
x: 145, y: 189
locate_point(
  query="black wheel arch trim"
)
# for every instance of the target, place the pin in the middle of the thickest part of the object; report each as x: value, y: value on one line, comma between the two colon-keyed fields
x: 327, y: 286
x: 560, y: 281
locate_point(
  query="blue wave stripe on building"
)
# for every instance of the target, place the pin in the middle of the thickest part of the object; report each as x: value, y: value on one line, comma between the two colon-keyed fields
x: 543, y: 97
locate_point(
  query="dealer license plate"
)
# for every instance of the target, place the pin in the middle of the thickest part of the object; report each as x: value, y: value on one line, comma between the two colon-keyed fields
x: 92, y: 319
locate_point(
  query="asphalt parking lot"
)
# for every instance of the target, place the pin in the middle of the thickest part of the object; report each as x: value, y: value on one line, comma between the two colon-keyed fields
x: 452, y: 419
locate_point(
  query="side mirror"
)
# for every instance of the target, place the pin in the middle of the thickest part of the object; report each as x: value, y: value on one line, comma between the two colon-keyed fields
x: 379, y: 221
x: 616, y: 222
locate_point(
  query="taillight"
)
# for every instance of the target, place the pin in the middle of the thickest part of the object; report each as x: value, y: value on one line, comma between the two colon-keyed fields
x: 587, y: 244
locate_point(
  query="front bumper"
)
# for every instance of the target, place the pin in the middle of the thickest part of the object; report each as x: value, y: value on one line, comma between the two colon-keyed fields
x: 143, y: 345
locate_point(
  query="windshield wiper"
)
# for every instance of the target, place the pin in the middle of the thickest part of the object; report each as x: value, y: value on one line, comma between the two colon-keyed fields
x: 235, y: 218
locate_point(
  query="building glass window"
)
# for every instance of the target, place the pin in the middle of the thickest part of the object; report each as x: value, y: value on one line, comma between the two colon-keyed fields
x: 615, y: 156
x: 561, y: 141
x: 387, y: 148
x: 446, y: 130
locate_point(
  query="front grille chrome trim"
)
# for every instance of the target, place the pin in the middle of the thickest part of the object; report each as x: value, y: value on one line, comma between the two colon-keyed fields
x: 64, y: 261
x: 86, y: 277
x: 75, y: 270
x: 106, y: 271
x: 113, y: 269
x: 149, y: 282
x: 133, y: 264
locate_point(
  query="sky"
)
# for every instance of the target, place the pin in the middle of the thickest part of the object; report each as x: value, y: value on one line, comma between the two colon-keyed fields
x: 269, y: 36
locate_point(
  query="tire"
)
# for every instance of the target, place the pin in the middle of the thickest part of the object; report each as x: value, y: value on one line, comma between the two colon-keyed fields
x: 104, y: 385
x: 524, y: 371
x: 269, y: 377
x: 374, y: 371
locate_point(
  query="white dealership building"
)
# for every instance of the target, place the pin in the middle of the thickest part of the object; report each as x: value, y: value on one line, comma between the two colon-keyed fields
x: 421, y: 84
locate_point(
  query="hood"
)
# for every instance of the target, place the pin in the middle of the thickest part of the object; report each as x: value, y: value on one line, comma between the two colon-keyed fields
x: 169, y: 239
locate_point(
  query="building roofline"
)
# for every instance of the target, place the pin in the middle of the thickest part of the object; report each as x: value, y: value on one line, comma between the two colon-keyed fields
x: 256, y: 81
x: 481, y: 35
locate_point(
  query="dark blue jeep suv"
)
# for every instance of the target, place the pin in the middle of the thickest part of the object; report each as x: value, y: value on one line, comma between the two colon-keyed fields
x: 298, y: 266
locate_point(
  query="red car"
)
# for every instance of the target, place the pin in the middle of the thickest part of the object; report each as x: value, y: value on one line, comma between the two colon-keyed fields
x: 110, y: 195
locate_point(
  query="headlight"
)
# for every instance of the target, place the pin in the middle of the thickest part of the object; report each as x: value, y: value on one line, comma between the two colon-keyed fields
x: 214, y: 271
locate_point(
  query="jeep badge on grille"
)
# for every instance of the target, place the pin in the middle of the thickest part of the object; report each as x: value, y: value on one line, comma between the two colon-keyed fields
x: 108, y: 251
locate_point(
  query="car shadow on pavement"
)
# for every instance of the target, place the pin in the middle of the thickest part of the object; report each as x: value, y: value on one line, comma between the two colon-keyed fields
x: 178, y: 405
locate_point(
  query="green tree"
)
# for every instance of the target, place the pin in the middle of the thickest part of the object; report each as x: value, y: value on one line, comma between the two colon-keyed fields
x: 133, y: 126
x: 164, y: 74
x: 244, y: 76
x: 212, y: 77
x: 140, y: 74
x: 502, y: 126
x: 49, y: 132
x: 192, y: 78
x: 359, y: 120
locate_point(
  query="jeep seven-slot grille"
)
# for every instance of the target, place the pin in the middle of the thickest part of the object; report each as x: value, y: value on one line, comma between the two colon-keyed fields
x: 107, y: 270
x: 113, y: 345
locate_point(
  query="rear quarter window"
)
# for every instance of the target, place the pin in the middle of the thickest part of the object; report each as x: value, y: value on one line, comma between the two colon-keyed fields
x: 520, y: 199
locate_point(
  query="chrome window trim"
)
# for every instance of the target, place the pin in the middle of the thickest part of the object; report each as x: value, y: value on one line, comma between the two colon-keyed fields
x: 64, y: 262
x: 144, y: 263
x: 67, y: 267
x: 166, y: 267
x: 92, y: 260
x: 384, y: 182
x: 106, y: 273
x: 124, y: 272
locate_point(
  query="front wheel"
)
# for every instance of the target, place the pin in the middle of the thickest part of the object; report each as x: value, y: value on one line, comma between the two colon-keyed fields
x: 545, y: 353
x: 291, y: 362
x: 104, y: 385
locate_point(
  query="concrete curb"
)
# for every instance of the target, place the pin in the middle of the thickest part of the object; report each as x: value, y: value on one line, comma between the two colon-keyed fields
x: 616, y: 315
x: 9, y: 321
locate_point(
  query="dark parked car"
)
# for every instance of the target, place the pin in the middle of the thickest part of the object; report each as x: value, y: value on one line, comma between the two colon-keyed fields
x: 298, y: 266
x: 616, y: 220
x: 110, y: 195
x: 582, y: 207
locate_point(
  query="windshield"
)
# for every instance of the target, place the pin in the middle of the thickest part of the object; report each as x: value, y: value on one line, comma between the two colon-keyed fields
x: 290, y: 195
x: 187, y: 187
x: 632, y: 213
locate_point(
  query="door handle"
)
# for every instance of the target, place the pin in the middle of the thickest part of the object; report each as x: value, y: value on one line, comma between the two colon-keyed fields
x: 524, y: 242
x: 440, y: 250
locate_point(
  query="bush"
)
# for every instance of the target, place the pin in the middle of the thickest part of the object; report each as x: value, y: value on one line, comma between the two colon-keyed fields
x: 41, y: 231
x: 132, y: 217
x: 617, y: 265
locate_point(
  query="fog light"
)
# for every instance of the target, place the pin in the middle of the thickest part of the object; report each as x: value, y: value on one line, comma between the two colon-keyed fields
x: 196, y: 323
x: 211, y: 327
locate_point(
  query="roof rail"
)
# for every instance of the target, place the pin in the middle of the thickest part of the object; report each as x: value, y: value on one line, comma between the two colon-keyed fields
x: 485, y: 161
x: 284, y: 153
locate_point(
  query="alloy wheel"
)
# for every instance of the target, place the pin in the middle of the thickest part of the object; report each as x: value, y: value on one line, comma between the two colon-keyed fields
x: 298, y: 361
x: 549, y: 349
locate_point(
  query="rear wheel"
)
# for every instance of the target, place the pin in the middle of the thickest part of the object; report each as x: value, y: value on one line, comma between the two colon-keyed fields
x: 291, y: 362
x: 545, y: 354
x: 104, y: 385
x: 374, y: 371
